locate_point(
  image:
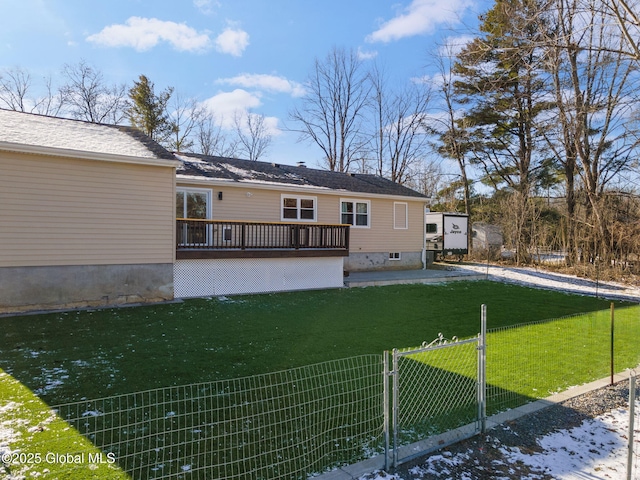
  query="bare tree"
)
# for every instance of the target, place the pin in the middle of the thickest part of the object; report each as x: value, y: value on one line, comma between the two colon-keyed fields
x: 16, y: 93
x: 449, y: 125
x: 332, y: 111
x: 184, y: 120
x: 252, y: 134
x: 211, y: 139
x: 52, y: 103
x: 627, y: 15
x: 400, y: 140
x: 427, y: 178
x: 14, y: 89
x: 89, y: 98
x: 595, y: 91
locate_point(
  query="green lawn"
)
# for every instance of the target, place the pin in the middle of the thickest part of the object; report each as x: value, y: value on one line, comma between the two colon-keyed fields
x: 41, y: 443
x: 64, y: 357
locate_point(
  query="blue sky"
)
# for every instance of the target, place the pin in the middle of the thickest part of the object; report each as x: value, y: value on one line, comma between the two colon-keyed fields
x: 232, y: 54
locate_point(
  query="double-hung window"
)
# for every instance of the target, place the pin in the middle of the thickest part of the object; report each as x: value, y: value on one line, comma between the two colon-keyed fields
x: 355, y: 213
x: 299, y: 208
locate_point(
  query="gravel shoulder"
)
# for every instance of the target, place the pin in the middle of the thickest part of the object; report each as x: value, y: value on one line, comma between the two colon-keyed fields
x: 487, y: 456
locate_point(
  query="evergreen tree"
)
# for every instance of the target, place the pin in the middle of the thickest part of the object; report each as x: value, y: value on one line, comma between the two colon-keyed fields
x: 147, y: 110
x: 501, y: 80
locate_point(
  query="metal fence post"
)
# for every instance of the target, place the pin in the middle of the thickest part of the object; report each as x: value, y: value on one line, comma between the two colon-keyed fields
x: 632, y: 403
x: 612, y: 343
x: 385, y: 406
x: 482, y: 370
x: 395, y: 408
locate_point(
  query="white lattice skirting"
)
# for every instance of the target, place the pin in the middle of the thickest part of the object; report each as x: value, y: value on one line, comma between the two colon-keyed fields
x: 203, y: 278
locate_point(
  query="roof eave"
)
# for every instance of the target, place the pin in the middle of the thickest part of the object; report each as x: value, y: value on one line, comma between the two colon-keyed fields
x: 209, y: 181
x: 85, y: 155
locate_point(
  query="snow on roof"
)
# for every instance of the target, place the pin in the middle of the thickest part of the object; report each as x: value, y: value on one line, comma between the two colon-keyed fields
x: 250, y: 174
x: 203, y: 167
x: 61, y: 133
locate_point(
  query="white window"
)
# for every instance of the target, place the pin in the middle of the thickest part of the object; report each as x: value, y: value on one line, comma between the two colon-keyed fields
x: 395, y: 256
x: 299, y: 208
x: 193, y: 203
x: 355, y: 213
x: 400, y: 215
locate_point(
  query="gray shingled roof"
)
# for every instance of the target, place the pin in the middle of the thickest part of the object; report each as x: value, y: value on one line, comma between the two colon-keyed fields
x: 63, y: 133
x: 236, y: 170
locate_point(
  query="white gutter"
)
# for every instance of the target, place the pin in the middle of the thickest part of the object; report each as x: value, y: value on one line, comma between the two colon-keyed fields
x: 86, y: 155
x: 286, y: 187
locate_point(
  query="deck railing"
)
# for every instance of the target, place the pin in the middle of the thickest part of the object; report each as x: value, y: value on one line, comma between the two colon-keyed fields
x: 194, y: 234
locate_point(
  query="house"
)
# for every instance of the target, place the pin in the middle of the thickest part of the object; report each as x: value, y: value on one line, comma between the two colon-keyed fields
x: 95, y: 215
x: 86, y: 215
x: 386, y: 225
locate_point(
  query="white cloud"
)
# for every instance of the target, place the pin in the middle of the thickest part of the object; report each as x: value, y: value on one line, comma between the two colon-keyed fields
x: 206, y: 6
x: 145, y: 33
x: 238, y: 104
x: 453, y: 45
x: 226, y: 105
x: 232, y: 41
x: 270, y: 83
x: 420, y: 17
x: 363, y: 55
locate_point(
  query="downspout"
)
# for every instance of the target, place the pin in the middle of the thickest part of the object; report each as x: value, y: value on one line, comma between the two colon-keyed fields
x: 424, y: 234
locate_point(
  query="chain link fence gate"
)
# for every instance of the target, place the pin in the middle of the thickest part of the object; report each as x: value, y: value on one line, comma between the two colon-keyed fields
x: 437, y: 388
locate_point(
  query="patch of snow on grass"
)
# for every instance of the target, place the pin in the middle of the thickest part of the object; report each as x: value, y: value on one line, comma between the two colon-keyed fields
x: 8, y: 434
x: 51, y: 378
x: 91, y: 413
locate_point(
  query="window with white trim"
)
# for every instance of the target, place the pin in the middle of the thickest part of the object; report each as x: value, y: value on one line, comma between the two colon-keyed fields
x: 355, y: 213
x: 299, y: 208
x: 395, y: 256
x: 400, y: 215
x: 193, y: 203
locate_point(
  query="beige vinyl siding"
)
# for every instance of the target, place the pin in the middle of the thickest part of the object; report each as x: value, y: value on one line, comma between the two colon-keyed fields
x: 382, y: 236
x: 259, y: 205
x: 265, y: 204
x: 62, y: 211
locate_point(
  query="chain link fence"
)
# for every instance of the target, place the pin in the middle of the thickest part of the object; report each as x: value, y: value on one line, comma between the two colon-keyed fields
x: 304, y: 421
x: 289, y: 424
x: 435, y: 389
x: 527, y: 362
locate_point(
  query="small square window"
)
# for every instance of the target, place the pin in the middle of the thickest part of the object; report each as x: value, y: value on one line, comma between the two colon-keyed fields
x: 355, y: 213
x: 394, y: 255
